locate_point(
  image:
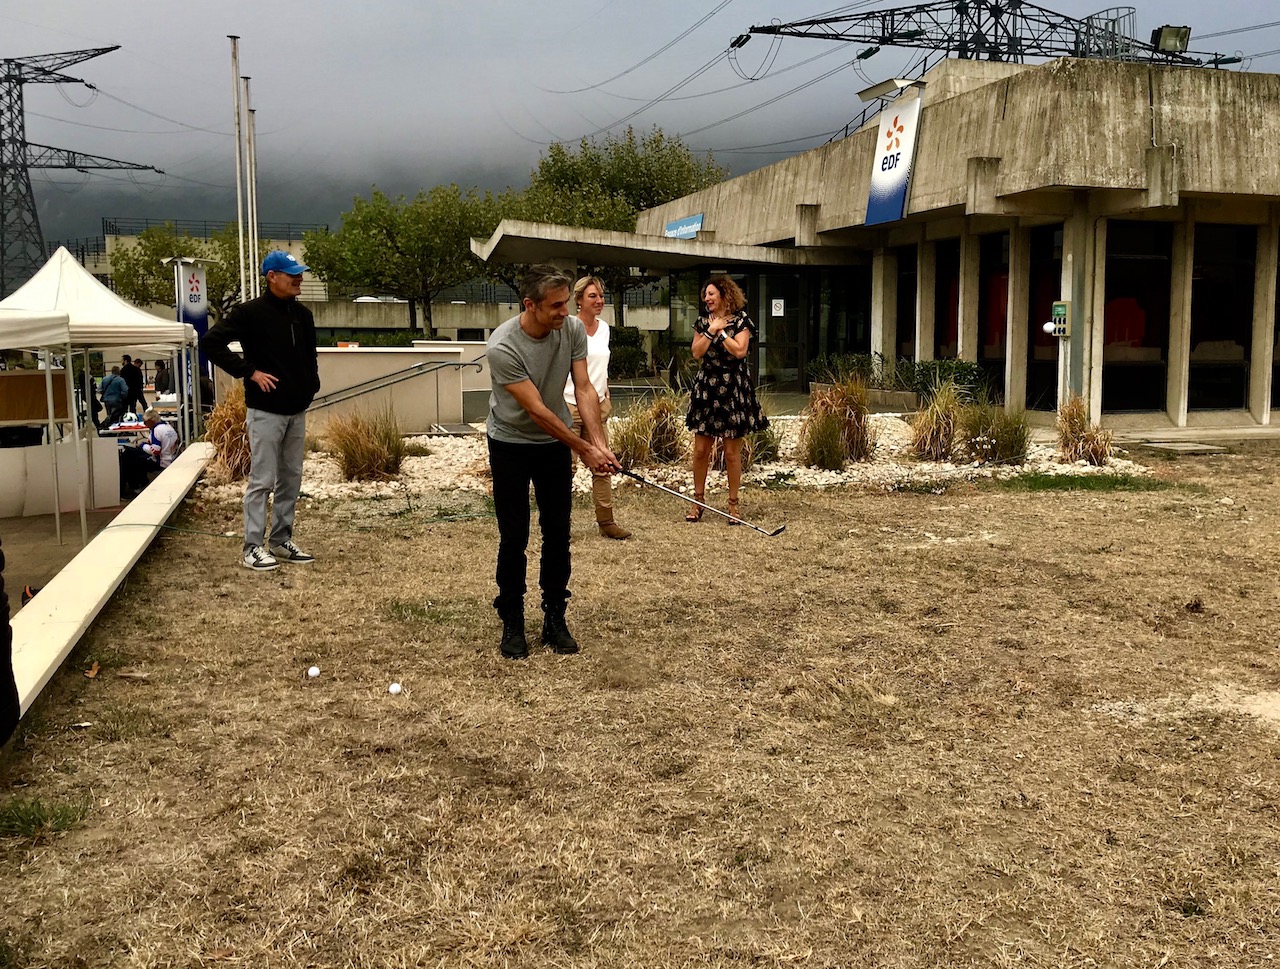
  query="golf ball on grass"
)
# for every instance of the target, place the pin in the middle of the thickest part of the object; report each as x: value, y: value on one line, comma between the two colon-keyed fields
x: 313, y: 672
x: 393, y: 689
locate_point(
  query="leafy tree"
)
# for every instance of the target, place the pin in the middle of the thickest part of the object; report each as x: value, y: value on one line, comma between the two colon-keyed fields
x: 141, y: 276
x: 604, y: 185
x: 408, y: 248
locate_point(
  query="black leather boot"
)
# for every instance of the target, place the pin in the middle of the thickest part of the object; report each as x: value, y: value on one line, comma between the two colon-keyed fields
x: 555, y: 633
x: 513, y: 645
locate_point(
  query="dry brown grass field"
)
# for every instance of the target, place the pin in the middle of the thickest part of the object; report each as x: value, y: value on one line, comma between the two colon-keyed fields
x: 988, y: 727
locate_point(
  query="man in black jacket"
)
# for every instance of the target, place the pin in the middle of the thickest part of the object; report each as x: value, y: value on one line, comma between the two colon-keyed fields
x: 277, y: 335
x: 133, y: 379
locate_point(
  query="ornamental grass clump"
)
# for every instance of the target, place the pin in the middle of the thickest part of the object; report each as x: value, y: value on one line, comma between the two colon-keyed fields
x: 844, y: 406
x: 993, y: 435
x: 933, y: 430
x: 227, y: 431
x: 367, y: 448
x: 1078, y: 440
x: 652, y: 434
x: 821, y: 445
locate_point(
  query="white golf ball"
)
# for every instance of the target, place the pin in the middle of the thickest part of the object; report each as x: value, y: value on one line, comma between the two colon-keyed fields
x: 393, y: 689
x: 313, y: 672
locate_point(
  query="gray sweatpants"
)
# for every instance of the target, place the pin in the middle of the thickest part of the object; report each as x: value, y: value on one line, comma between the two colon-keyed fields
x: 277, y: 446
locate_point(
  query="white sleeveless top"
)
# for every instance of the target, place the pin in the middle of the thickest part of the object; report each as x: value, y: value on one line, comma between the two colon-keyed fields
x: 597, y: 364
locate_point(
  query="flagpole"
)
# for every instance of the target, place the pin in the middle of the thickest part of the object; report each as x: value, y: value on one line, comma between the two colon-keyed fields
x: 235, y: 95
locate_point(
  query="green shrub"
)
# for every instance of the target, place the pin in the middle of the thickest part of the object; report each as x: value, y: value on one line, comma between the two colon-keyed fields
x: 847, y: 402
x: 933, y: 431
x: 836, y: 368
x: 367, y: 448
x: 1078, y: 440
x: 967, y: 377
x: 652, y: 434
x: 992, y: 435
x: 626, y: 352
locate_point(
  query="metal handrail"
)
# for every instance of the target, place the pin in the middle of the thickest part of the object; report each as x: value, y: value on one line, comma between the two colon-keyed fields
x: 391, y: 379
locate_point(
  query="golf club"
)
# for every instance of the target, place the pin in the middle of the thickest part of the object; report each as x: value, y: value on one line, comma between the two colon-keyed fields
x: 694, y: 501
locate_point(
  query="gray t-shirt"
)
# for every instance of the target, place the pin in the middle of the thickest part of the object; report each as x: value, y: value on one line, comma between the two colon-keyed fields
x: 515, y: 356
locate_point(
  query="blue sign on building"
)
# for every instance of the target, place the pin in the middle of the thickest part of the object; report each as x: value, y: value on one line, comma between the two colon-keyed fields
x: 686, y: 228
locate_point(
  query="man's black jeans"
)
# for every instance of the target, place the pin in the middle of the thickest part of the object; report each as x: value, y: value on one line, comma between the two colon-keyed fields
x: 548, y: 468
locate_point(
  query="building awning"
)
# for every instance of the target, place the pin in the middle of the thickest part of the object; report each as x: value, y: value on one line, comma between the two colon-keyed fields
x: 530, y: 242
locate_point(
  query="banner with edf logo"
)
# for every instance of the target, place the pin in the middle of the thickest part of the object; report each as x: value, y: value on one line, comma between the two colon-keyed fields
x: 194, y: 305
x: 891, y: 169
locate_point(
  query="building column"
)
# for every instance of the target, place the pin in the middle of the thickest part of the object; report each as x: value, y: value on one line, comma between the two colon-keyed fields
x: 1015, y: 338
x: 1184, y: 243
x: 970, y: 278
x: 1264, y: 326
x: 926, y: 284
x: 884, y: 303
x: 1097, y: 317
x: 1078, y: 252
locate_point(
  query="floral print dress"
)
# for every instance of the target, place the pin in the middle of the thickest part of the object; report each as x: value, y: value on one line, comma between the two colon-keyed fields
x: 723, y: 400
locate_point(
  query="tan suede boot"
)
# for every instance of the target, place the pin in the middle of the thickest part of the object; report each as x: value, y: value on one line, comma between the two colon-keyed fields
x: 612, y: 530
x: 602, y: 495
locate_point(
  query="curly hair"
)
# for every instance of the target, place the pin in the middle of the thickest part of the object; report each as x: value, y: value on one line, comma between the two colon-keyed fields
x: 730, y: 292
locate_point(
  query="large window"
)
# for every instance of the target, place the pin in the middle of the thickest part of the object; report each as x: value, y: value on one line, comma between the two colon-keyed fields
x: 1135, y: 343
x: 1044, y: 288
x: 904, y: 342
x: 946, y: 300
x: 841, y: 321
x: 1222, y: 279
x: 993, y: 306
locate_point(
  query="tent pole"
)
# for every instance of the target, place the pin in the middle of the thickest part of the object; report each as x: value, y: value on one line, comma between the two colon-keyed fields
x: 74, y: 414
x: 88, y: 394
x: 53, y: 448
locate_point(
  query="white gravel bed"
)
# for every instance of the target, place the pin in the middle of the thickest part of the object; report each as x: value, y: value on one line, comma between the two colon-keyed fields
x: 460, y: 463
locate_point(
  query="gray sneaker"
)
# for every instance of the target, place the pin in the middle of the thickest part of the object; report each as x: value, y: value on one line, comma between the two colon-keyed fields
x: 288, y: 552
x: 259, y: 560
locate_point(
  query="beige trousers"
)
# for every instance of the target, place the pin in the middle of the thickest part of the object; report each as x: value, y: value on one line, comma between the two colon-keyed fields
x: 601, y: 484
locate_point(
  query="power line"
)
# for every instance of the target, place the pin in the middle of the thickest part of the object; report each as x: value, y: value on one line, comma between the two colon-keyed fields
x: 734, y: 87
x: 773, y: 100
x: 750, y: 149
x: 99, y: 127
x: 161, y: 117
x: 661, y: 50
x: 663, y: 96
x: 1237, y: 30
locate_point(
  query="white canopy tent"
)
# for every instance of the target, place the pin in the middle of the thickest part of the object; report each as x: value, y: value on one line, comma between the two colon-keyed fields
x: 47, y: 332
x: 97, y: 320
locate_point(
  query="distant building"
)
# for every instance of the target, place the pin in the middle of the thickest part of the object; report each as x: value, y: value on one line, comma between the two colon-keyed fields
x: 1146, y: 197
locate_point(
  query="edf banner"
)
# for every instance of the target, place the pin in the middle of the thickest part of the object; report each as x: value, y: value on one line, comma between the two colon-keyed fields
x: 891, y: 170
x: 193, y: 307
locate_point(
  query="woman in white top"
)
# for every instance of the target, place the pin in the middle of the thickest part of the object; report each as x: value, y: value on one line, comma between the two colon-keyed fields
x: 588, y: 294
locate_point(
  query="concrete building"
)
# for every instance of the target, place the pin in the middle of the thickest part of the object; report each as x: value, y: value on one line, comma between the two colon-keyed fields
x: 1146, y: 197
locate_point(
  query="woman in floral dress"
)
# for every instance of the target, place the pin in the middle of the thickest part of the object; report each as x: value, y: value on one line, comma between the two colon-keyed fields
x: 723, y: 401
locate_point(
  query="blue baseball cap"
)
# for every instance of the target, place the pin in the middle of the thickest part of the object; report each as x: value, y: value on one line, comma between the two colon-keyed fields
x: 280, y: 261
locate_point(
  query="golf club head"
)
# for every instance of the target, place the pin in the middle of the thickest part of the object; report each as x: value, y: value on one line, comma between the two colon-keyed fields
x: 778, y: 531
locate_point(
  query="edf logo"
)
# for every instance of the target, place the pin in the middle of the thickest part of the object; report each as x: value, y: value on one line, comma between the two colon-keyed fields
x: 893, y: 142
x: 193, y: 287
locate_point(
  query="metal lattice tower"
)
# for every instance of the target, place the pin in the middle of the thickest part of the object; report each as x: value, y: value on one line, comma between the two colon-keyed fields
x: 21, y: 242
x: 996, y: 30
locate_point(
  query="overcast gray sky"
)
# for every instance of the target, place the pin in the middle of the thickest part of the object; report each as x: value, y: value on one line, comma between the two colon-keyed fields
x: 411, y: 94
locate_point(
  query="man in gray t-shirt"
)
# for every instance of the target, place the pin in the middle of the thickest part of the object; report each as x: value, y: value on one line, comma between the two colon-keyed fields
x: 530, y: 435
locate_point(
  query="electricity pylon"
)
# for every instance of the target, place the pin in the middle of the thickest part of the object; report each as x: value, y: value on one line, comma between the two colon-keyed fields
x: 997, y: 30
x: 21, y: 241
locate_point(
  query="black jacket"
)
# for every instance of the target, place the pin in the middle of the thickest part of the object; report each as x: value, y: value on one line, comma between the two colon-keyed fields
x: 132, y: 375
x: 277, y: 336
